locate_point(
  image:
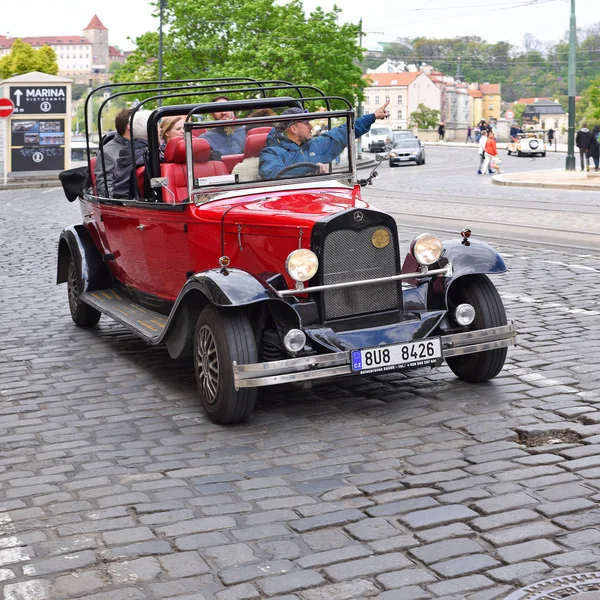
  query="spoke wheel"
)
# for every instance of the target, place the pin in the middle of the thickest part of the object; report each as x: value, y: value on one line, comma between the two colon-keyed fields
x: 83, y: 314
x: 221, y: 337
x: 479, y: 292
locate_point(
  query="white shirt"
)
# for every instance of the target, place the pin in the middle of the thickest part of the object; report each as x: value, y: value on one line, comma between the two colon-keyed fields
x: 482, y: 142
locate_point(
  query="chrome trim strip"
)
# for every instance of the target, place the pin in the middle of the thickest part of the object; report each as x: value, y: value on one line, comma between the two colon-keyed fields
x: 447, y: 270
x: 462, y: 350
x: 338, y: 363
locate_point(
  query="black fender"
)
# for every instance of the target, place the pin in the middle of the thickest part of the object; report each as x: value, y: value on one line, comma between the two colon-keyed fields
x: 227, y: 289
x: 77, y: 242
x: 478, y: 258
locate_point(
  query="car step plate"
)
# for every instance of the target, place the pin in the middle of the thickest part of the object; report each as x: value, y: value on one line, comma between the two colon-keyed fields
x: 419, y: 353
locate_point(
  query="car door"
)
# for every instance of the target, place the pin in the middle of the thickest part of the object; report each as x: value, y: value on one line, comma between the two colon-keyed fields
x: 125, y: 243
x: 164, y: 235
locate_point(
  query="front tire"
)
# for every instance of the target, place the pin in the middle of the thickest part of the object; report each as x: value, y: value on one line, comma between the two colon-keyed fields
x: 83, y: 314
x: 479, y: 292
x: 222, y: 336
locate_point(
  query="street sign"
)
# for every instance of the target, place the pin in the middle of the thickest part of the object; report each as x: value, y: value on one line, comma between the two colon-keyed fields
x: 6, y: 107
x: 509, y: 114
x: 39, y: 99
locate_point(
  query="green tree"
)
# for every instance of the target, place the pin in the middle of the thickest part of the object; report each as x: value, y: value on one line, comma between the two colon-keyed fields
x: 22, y: 58
x: 45, y: 61
x: 252, y: 38
x: 589, y: 106
x: 424, y: 117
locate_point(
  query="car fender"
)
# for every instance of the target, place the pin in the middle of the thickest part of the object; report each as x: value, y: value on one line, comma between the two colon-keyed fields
x: 227, y: 289
x: 77, y: 242
x: 476, y: 258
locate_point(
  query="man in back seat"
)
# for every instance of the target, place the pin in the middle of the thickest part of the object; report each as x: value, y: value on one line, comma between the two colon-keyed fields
x: 224, y: 140
x: 123, y: 183
x: 111, y: 150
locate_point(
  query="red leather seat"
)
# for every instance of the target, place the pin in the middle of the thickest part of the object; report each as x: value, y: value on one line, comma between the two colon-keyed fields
x: 175, y: 167
x: 230, y: 160
x: 255, y: 143
x: 259, y: 130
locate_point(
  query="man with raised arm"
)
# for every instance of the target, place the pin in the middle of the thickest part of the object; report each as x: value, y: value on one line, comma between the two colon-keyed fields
x: 292, y: 142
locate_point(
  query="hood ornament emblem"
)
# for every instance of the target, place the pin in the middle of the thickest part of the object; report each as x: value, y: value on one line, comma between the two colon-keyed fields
x: 358, y: 216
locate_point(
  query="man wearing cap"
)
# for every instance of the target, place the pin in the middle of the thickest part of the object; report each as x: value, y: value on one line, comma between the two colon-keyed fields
x: 292, y: 142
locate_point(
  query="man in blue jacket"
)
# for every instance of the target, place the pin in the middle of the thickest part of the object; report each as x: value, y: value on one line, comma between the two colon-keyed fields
x: 291, y: 142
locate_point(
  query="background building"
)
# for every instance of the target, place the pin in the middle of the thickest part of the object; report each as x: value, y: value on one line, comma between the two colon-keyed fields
x: 80, y: 57
x: 405, y: 91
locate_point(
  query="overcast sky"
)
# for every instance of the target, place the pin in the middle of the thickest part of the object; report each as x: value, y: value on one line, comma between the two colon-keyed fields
x: 493, y: 20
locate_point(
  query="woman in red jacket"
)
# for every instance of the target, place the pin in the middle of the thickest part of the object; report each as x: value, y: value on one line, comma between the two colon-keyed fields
x: 491, y: 154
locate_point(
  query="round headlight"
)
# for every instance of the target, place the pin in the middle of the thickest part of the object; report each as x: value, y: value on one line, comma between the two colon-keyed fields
x: 464, y: 314
x: 294, y: 340
x: 302, y: 264
x: 427, y: 248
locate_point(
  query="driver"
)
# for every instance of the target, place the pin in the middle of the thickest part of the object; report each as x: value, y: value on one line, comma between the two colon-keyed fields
x: 291, y: 142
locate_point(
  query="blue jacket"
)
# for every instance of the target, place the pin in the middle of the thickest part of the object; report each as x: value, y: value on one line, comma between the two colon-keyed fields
x: 280, y: 151
x: 224, y: 143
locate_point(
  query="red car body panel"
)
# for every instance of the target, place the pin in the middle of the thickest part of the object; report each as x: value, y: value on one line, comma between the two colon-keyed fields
x: 155, y: 251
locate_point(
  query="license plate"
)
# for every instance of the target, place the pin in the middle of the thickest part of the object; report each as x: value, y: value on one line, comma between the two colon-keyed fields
x: 404, y: 158
x: 386, y: 358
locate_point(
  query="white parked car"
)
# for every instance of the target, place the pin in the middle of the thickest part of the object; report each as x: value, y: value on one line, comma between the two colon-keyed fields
x: 376, y: 139
x: 529, y: 142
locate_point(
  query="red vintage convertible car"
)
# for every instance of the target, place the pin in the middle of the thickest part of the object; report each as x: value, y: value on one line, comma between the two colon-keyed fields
x: 269, y: 279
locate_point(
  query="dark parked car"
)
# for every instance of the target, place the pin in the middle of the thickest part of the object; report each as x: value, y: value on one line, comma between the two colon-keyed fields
x: 407, y: 150
x: 269, y: 279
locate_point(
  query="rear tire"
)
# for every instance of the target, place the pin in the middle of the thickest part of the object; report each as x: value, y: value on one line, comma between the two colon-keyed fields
x: 479, y: 292
x: 222, y: 336
x: 83, y: 314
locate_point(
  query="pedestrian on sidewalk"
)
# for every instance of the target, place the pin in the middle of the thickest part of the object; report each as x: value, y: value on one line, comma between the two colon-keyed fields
x: 441, y: 132
x: 469, y: 137
x: 550, y: 136
x: 594, y: 147
x: 491, y: 153
x: 482, y: 142
x: 582, y: 141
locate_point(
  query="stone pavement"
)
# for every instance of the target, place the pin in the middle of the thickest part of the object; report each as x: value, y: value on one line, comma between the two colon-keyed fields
x: 114, y: 485
x: 554, y: 178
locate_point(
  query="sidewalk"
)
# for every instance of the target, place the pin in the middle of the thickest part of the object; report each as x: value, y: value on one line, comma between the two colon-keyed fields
x: 501, y: 145
x: 555, y: 178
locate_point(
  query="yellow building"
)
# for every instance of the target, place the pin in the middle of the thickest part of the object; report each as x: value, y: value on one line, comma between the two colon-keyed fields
x: 475, y: 107
x: 491, y: 100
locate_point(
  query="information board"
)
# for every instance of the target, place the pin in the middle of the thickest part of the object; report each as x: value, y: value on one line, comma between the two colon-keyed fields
x: 37, y: 144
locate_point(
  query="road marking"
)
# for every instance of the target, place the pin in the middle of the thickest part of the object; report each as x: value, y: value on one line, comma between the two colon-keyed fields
x: 16, y: 551
x: 584, y: 312
x: 528, y: 376
x: 562, y: 264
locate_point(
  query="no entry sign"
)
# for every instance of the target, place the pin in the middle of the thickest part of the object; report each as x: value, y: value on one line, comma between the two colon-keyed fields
x: 6, y: 107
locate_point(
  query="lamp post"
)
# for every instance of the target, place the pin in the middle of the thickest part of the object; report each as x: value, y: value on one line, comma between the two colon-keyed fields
x: 162, y: 6
x: 570, y: 163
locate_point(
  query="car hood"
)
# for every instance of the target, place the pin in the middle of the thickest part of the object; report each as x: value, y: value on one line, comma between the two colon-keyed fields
x: 292, y: 207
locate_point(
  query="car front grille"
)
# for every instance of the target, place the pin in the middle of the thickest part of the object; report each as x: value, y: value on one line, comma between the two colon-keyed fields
x: 351, y: 255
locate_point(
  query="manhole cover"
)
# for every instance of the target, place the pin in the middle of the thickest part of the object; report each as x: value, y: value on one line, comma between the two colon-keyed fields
x: 580, y: 586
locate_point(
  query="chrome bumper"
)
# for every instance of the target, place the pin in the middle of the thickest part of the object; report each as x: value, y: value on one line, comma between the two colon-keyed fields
x: 308, y: 368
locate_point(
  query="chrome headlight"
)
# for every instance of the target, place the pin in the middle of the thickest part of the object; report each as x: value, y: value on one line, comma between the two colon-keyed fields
x: 427, y: 248
x: 302, y: 264
x: 392, y: 154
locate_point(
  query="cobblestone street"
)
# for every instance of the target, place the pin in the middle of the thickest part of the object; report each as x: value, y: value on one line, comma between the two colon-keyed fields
x: 115, y: 486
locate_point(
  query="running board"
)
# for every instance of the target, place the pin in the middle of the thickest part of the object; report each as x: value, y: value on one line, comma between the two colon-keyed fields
x: 146, y: 323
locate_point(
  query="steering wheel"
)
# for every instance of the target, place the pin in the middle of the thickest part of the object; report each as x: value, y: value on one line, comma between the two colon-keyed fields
x: 314, y: 167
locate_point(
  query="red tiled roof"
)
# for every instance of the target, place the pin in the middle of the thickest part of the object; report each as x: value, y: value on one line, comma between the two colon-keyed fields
x: 475, y: 94
x: 529, y: 100
x: 489, y: 88
x: 95, y: 23
x: 51, y: 40
x: 112, y: 51
x: 391, y: 79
